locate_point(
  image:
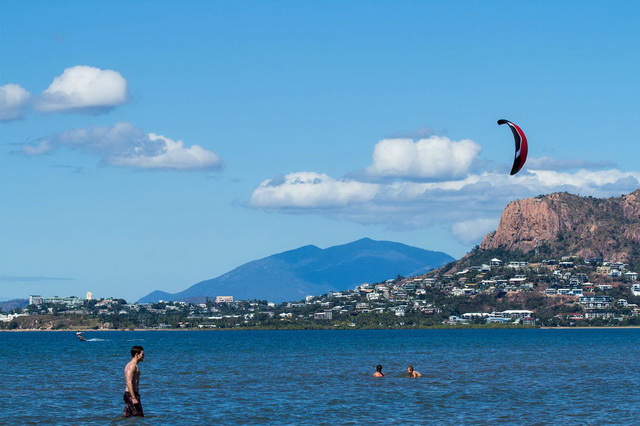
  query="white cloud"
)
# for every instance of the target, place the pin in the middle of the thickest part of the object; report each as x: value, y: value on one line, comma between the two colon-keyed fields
x: 413, y: 185
x: 124, y: 145
x: 600, y: 183
x: 14, y: 100
x: 308, y: 190
x: 42, y: 147
x: 407, y: 205
x: 169, y: 155
x: 84, y: 89
x: 472, y: 231
x: 435, y: 157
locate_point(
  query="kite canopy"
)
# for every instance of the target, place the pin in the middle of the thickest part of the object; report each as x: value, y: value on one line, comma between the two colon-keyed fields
x: 522, y: 147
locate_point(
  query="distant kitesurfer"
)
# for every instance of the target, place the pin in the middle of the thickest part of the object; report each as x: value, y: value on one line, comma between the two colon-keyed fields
x: 132, y: 404
x: 413, y: 373
x: 80, y: 336
x: 378, y: 372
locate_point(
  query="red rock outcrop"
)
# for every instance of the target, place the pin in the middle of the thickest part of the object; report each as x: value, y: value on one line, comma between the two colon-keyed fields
x: 570, y: 224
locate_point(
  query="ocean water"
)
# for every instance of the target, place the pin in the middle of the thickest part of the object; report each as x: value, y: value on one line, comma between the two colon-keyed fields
x: 565, y: 376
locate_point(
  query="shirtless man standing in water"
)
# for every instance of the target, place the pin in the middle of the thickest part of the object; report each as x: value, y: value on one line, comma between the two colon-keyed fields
x: 132, y: 404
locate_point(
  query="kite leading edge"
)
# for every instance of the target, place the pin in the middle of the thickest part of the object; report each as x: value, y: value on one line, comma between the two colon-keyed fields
x: 522, y: 146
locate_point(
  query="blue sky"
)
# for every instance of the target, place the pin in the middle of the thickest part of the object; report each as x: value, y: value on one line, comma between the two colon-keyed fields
x: 153, y: 144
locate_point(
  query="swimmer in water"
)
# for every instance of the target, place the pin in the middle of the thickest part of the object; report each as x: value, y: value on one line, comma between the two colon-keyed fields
x: 378, y: 372
x: 412, y: 373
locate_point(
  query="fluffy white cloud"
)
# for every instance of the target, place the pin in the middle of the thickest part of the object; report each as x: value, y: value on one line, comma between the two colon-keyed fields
x: 14, y: 100
x: 419, y: 184
x: 435, y: 157
x: 602, y: 183
x: 84, y: 89
x: 406, y: 204
x: 308, y: 190
x: 124, y: 145
x: 169, y: 154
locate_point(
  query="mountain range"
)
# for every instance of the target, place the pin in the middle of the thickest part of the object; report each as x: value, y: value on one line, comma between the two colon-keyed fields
x: 553, y: 225
x: 310, y: 270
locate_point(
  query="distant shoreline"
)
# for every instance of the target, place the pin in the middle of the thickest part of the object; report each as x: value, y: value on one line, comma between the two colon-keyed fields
x: 324, y: 329
x: 587, y: 328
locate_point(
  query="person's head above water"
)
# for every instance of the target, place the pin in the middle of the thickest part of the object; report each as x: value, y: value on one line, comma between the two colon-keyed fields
x: 378, y: 372
x: 137, y: 350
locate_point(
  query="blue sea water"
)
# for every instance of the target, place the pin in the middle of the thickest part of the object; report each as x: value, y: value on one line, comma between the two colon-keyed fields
x: 564, y: 376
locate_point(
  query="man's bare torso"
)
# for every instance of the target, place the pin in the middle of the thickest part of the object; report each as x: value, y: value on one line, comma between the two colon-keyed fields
x: 132, y: 370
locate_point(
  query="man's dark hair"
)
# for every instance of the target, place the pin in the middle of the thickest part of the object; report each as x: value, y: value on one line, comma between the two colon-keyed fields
x: 136, y: 350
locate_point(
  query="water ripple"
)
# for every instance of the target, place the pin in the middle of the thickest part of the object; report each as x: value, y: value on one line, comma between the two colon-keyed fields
x: 324, y: 377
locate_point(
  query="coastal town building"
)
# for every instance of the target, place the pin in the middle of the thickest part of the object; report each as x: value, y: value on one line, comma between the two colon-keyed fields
x: 467, y: 295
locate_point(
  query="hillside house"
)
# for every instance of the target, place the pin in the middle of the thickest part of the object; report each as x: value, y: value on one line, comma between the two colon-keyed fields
x: 615, y: 273
x: 591, y: 314
x: 326, y: 315
x: 498, y: 320
x: 73, y: 301
x: 518, y: 280
x: 374, y: 296
x: 36, y: 300
x: 429, y: 281
x: 570, y: 292
x: 618, y: 265
x: 471, y: 315
x: 583, y: 278
x: 399, y: 311
x: 516, y: 313
x: 596, y: 302
x: 411, y: 287
x: 517, y: 264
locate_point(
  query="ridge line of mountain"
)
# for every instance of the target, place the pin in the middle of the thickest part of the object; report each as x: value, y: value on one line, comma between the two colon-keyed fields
x: 309, y: 270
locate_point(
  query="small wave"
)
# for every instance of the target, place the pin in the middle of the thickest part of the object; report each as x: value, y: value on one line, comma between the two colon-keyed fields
x: 97, y: 340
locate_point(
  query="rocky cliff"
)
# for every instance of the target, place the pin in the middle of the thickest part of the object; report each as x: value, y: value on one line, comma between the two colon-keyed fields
x: 567, y: 224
